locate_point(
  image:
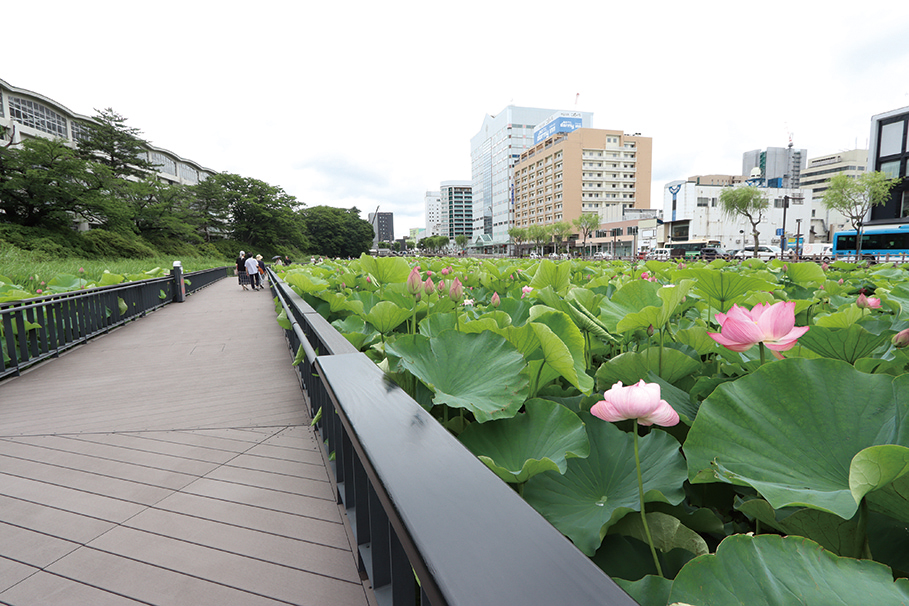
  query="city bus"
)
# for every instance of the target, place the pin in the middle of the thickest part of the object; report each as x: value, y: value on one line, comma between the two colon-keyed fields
x: 693, y: 248
x: 885, y: 243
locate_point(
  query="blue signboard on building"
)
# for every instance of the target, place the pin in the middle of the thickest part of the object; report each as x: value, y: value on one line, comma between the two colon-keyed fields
x: 562, y: 122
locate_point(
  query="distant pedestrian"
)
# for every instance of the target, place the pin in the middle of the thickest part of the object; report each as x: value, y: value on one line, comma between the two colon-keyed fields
x: 261, y: 271
x: 252, y: 270
x: 240, y: 271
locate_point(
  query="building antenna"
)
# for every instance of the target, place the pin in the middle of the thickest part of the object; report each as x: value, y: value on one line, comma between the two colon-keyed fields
x: 576, y: 97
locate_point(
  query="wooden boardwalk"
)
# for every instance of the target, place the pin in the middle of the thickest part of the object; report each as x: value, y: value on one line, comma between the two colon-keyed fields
x: 171, y: 462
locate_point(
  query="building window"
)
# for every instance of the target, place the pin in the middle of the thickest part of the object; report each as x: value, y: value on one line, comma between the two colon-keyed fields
x: 163, y: 163
x: 904, y: 211
x: 37, y: 116
x: 703, y: 201
x: 891, y: 169
x: 81, y: 131
x: 891, y: 139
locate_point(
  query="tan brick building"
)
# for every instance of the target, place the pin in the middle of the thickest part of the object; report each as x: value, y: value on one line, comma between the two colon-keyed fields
x: 586, y: 170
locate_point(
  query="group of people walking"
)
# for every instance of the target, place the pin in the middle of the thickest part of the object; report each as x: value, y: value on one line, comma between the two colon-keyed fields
x: 250, y: 271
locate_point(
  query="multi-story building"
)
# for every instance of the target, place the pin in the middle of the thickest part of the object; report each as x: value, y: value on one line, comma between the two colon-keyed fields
x: 586, y: 170
x: 694, y: 212
x: 432, y: 204
x: 457, y: 209
x: 888, y: 152
x: 383, y: 227
x: 25, y: 114
x: 824, y: 221
x: 779, y: 166
x: 493, y: 152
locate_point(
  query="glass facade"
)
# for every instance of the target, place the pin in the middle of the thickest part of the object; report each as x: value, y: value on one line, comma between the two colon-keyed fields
x: 33, y: 114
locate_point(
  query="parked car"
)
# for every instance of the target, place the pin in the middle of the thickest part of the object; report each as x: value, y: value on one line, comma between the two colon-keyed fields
x: 602, y: 254
x: 660, y: 254
x: 765, y: 251
x: 817, y: 250
x: 709, y: 253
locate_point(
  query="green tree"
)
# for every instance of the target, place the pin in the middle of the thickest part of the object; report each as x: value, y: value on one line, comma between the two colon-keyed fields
x: 537, y: 234
x: 748, y: 202
x: 518, y: 236
x: 112, y: 143
x: 210, y: 206
x: 585, y: 224
x: 45, y: 183
x: 461, y: 240
x: 336, y: 232
x: 854, y: 197
x: 160, y: 212
x: 561, y: 230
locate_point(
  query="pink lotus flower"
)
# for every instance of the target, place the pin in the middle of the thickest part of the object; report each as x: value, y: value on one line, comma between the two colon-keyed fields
x: 457, y: 291
x: 429, y: 287
x: 841, y: 281
x: 368, y: 280
x: 640, y: 402
x: 864, y: 302
x: 441, y: 286
x: 495, y: 301
x: 526, y: 290
x: 39, y: 291
x: 446, y: 271
x: 81, y: 270
x: 414, y: 282
x: 772, y: 325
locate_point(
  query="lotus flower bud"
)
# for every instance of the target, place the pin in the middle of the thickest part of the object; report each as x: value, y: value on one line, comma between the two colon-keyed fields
x: 457, y: 291
x: 495, y: 301
x: 429, y: 287
x: 901, y: 339
x: 864, y: 302
x: 414, y: 282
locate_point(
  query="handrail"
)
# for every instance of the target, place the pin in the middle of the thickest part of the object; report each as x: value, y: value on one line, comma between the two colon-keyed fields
x: 39, y: 328
x: 433, y: 525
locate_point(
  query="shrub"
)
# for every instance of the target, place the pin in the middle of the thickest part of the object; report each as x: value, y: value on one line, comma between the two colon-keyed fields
x: 108, y: 244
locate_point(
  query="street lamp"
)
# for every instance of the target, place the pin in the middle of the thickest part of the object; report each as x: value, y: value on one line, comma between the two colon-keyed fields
x: 798, y: 237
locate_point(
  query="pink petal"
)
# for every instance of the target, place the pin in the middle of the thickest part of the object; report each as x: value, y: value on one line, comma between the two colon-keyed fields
x: 664, y: 415
x: 777, y: 320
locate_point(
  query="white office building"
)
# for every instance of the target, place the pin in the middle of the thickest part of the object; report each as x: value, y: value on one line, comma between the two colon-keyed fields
x: 432, y: 204
x: 694, y: 212
x: 494, y: 150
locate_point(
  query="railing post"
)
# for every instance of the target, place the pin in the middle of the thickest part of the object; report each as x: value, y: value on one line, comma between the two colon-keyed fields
x: 179, y: 284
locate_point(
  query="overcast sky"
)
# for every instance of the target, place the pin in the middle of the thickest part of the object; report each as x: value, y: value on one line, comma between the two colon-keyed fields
x: 370, y: 104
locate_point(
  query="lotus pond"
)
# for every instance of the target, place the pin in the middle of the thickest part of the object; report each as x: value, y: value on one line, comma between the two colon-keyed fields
x: 787, y: 471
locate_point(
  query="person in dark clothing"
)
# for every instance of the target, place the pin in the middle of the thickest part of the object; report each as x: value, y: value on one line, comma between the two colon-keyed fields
x: 241, y: 271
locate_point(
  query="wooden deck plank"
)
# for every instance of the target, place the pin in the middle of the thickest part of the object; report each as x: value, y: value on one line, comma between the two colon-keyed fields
x: 171, y: 462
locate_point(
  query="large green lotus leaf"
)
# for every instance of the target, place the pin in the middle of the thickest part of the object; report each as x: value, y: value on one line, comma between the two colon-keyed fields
x: 628, y: 559
x: 479, y: 325
x: 436, y: 323
x: 562, y: 328
x: 697, y: 338
x: 830, y: 531
x: 792, y: 428
x: 806, y: 274
x: 657, y: 316
x: 667, y: 531
x: 848, y: 315
x: 631, y: 298
x: 68, y: 282
x: 723, y: 288
x: 900, y: 295
x: 357, y: 331
x: 897, y: 365
x: 598, y: 491
x: 367, y: 299
x: 542, y: 438
x: 516, y: 307
x: 652, y: 590
x: 387, y: 270
x: 556, y: 275
x: 480, y: 372
x: 524, y: 338
x: 847, y: 344
x: 109, y: 279
x: 770, y: 570
x: 631, y: 367
x: 305, y: 282
x: 386, y: 316
x: 338, y: 302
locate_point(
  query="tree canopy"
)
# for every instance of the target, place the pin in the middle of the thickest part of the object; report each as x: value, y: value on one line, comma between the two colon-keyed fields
x: 854, y: 197
x: 336, y: 232
x: 585, y: 224
x: 748, y: 202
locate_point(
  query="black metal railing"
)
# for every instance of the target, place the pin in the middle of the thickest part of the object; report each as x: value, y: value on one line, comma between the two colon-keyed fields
x: 42, y: 327
x: 433, y: 525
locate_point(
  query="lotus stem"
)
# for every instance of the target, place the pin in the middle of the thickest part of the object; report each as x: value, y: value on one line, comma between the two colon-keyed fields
x: 763, y: 354
x: 860, y: 546
x: 637, y: 464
